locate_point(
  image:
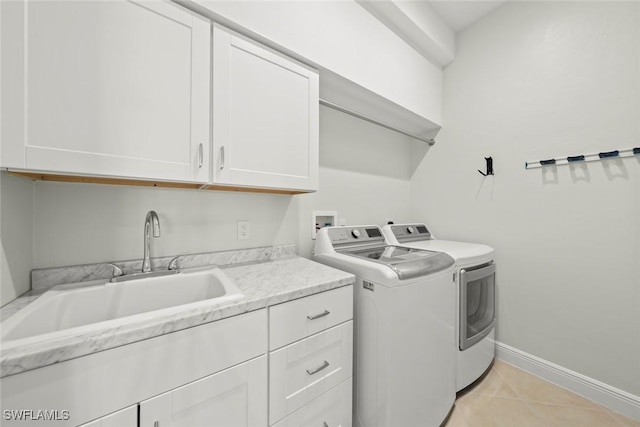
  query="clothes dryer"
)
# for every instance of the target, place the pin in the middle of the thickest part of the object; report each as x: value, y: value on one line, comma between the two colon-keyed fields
x: 404, y: 327
x: 475, y: 295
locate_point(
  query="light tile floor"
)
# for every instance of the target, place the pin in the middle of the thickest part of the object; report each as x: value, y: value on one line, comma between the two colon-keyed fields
x: 510, y: 397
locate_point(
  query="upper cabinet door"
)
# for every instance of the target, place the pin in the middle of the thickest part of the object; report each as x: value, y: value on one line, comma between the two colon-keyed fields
x: 114, y: 88
x: 265, y: 117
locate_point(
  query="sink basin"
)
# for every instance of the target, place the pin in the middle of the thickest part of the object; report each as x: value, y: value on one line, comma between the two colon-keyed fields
x: 63, y: 308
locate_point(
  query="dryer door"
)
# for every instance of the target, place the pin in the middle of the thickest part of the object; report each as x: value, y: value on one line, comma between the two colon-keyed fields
x: 477, y: 304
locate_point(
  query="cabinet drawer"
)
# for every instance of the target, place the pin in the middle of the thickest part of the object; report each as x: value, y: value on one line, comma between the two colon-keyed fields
x: 332, y: 409
x: 301, y: 372
x: 301, y: 318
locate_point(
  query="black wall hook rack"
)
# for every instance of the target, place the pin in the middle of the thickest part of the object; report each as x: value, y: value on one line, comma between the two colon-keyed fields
x: 489, y: 167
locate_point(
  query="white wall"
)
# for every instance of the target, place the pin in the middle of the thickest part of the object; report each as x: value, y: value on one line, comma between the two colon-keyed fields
x: 16, y: 236
x: 535, y: 80
x: 85, y: 223
x: 364, y: 175
x: 419, y: 25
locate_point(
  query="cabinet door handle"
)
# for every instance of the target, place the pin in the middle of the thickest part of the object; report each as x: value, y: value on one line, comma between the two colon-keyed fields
x: 324, y: 365
x: 222, y: 157
x: 200, y: 157
x: 317, y: 316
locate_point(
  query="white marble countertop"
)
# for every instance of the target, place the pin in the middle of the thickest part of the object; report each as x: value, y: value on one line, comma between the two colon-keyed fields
x: 263, y: 284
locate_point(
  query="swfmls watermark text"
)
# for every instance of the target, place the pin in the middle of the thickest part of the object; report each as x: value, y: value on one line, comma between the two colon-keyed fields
x: 35, y: 415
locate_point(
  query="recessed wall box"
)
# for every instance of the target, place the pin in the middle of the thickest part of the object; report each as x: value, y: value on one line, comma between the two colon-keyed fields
x: 321, y: 219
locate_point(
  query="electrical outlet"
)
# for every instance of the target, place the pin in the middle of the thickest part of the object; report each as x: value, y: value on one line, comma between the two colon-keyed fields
x: 244, y: 230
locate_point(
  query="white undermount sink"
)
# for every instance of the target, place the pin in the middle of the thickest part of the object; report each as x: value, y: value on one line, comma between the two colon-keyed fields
x: 63, y: 308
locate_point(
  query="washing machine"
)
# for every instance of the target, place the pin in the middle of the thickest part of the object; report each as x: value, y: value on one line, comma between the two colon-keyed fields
x: 475, y: 295
x: 404, y: 312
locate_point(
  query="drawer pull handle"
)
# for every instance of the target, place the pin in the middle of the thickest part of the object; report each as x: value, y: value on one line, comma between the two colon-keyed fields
x: 324, y: 365
x: 317, y: 316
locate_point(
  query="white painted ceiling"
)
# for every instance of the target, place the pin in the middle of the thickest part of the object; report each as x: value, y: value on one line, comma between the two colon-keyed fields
x: 458, y: 15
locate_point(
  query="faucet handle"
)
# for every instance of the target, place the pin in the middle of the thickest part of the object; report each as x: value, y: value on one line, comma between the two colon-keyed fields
x: 173, y: 264
x: 117, y: 271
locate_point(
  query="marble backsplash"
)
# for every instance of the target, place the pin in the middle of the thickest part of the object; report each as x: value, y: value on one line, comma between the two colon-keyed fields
x: 45, y: 278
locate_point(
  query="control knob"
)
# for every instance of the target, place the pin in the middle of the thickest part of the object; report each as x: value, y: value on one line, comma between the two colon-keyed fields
x: 355, y: 233
x: 410, y: 230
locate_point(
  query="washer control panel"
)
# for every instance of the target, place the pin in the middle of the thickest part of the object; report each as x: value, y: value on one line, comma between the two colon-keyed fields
x: 409, y: 232
x: 364, y: 234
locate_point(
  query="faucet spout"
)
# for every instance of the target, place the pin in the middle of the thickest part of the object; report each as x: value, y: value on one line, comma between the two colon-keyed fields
x: 151, y: 221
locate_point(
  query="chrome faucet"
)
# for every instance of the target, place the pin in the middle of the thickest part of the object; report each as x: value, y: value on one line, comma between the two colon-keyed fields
x: 150, y: 220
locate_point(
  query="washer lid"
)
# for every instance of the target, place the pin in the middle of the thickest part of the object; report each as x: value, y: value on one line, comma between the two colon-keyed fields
x: 416, y: 235
x: 464, y: 253
x: 406, y: 262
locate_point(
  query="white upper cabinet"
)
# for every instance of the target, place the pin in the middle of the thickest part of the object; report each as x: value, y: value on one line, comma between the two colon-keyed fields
x: 108, y: 88
x: 265, y: 117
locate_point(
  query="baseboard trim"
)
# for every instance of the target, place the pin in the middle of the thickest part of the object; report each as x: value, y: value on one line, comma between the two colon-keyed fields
x: 618, y: 400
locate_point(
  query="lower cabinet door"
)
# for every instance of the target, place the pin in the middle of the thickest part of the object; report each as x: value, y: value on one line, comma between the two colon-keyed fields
x: 332, y: 409
x: 127, y: 417
x: 235, y: 397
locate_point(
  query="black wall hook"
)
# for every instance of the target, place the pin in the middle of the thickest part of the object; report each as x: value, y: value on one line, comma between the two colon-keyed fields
x: 489, y: 161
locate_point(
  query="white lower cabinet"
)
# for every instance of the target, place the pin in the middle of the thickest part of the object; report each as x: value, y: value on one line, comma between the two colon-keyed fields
x: 332, y: 409
x: 127, y: 417
x: 219, y: 374
x: 228, y: 354
x: 304, y: 370
x: 236, y: 397
x: 310, y: 378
